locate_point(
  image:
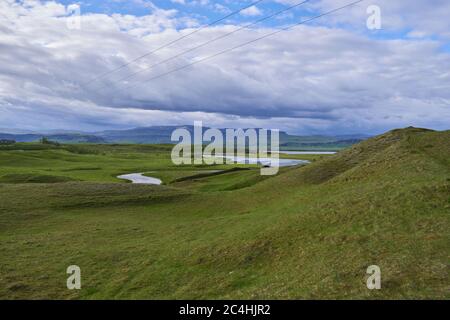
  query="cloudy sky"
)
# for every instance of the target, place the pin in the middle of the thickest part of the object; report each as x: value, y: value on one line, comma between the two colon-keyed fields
x: 331, y: 75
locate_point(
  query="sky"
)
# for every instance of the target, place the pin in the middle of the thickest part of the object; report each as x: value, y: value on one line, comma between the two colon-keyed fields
x: 76, y: 65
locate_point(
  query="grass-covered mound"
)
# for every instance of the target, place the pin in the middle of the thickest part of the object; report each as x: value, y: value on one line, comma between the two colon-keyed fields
x: 310, y: 232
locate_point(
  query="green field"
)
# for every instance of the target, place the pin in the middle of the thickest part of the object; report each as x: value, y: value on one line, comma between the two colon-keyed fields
x: 309, y: 232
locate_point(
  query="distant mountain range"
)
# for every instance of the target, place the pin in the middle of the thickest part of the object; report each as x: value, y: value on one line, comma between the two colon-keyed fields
x: 162, y: 135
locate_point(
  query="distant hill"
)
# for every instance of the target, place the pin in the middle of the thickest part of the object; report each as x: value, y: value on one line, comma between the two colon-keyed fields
x: 63, y: 138
x: 148, y: 135
x: 162, y: 135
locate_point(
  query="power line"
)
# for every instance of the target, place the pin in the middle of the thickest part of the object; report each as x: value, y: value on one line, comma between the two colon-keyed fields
x: 172, y: 42
x: 209, y: 42
x: 247, y: 43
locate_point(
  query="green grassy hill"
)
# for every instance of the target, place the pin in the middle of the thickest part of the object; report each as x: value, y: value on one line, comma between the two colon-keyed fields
x: 309, y: 232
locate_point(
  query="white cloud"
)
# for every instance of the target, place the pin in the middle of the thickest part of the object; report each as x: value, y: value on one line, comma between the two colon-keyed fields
x: 308, y: 79
x: 251, y: 11
x: 221, y: 8
x: 200, y: 2
x: 417, y: 16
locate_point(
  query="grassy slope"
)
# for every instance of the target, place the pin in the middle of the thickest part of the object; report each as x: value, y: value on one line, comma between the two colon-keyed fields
x: 309, y: 232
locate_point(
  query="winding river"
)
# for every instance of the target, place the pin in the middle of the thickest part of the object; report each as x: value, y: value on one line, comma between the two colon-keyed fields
x: 139, y: 178
x: 308, y: 152
x: 266, y: 161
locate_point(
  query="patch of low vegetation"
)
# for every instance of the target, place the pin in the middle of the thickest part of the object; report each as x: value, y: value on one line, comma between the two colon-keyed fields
x: 206, y: 174
x: 7, y: 142
x: 32, y: 178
